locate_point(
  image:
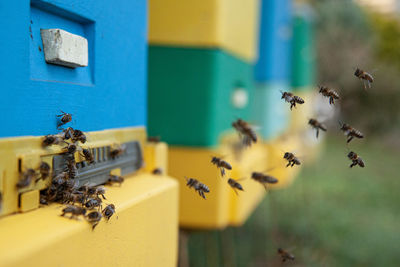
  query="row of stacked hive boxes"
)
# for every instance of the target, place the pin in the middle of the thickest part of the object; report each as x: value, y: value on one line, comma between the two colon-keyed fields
x: 211, y: 62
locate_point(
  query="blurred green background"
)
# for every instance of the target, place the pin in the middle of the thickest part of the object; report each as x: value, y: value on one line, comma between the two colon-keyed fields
x: 332, y: 215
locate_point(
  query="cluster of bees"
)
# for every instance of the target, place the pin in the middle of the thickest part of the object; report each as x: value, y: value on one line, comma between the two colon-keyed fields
x: 248, y: 136
x: 85, y: 200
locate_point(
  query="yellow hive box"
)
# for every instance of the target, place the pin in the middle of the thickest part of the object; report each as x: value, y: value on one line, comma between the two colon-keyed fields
x: 143, y: 232
x: 222, y: 207
x: 228, y: 24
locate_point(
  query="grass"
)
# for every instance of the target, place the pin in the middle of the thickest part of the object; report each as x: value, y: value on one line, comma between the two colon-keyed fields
x: 331, y: 216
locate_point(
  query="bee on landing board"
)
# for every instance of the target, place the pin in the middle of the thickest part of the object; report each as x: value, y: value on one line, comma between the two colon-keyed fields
x: 51, y: 140
x: 285, y: 255
x: 263, y: 179
x: 44, y: 170
x: 365, y: 77
x: 221, y: 164
x: 74, y: 210
x: 235, y: 185
x: 330, y: 93
x: 108, y: 211
x: 117, y: 151
x: 356, y: 160
x: 292, y: 159
x: 317, y: 125
x: 115, y: 179
x: 350, y: 132
x: 64, y: 118
x: 199, y: 187
x: 88, y: 155
x: 245, y: 131
x: 157, y: 171
x: 292, y: 99
x: 78, y: 135
x: 94, y: 218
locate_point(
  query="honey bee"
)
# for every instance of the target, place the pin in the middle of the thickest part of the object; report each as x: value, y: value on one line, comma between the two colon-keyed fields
x: 350, y: 132
x: 157, y: 171
x: 88, y: 155
x: 244, y: 129
x: 64, y: 118
x: 115, y: 179
x: 94, y: 218
x: 108, y: 211
x: 92, y: 203
x: 118, y: 151
x: 44, y: 170
x: 285, y: 255
x: 235, y: 185
x: 292, y: 99
x: 331, y: 94
x: 43, y: 200
x: 292, y: 159
x: 365, y: 77
x: 78, y: 135
x: 71, y: 168
x: 26, y: 178
x: 317, y: 125
x: 75, y: 197
x: 99, y: 191
x: 66, y: 133
x: 74, y: 210
x: 221, y: 164
x: 51, y: 140
x: 199, y: 187
x: 153, y: 139
x: 263, y: 179
x: 356, y: 160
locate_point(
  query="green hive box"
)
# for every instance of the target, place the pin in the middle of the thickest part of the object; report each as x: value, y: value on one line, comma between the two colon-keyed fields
x: 303, y: 50
x: 195, y: 94
x: 270, y: 112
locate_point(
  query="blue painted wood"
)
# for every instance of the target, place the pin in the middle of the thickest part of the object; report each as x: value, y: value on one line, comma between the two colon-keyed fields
x: 274, y: 61
x: 109, y: 93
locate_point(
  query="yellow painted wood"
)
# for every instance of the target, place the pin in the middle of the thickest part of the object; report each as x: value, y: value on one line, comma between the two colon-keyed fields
x: 143, y: 232
x: 29, y: 151
x: 228, y: 24
x: 157, y: 155
x: 29, y: 200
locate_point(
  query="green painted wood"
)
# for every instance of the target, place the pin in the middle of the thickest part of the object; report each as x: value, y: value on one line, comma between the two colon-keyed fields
x: 190, y: 91
x: 303, y: 50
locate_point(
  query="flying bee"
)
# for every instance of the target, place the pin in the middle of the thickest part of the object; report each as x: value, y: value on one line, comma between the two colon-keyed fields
x: 221, y: 164
x: 64, y: 118
x: 350, y: 132
x: 115, y: 179
x: 51, y: 140
x: 244, y: 129
x: 235, y: 185
x: 108, y: 211
x: 92, y: 203
x: 44, y: 170
x: 356, y: 160
x: 263, y: 179
x: 365, y: 77
x: 26, y: 178
x: 330, y: 93
x: 157, y: 171
x: 317, y: 125
x: 88, y: 155
x: 74, y: 210
x: 199, y: 187
x: 292, y: 99
x: 153, y: 139
x: 285, y: 255
x: 117, y: 151
x: 78, y: 135
x: 292, y: 159
x: 94, y: 218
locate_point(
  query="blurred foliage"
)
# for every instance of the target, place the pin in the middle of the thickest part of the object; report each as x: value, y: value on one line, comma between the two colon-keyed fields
x: 331, y: 216
x: 347, y: 37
